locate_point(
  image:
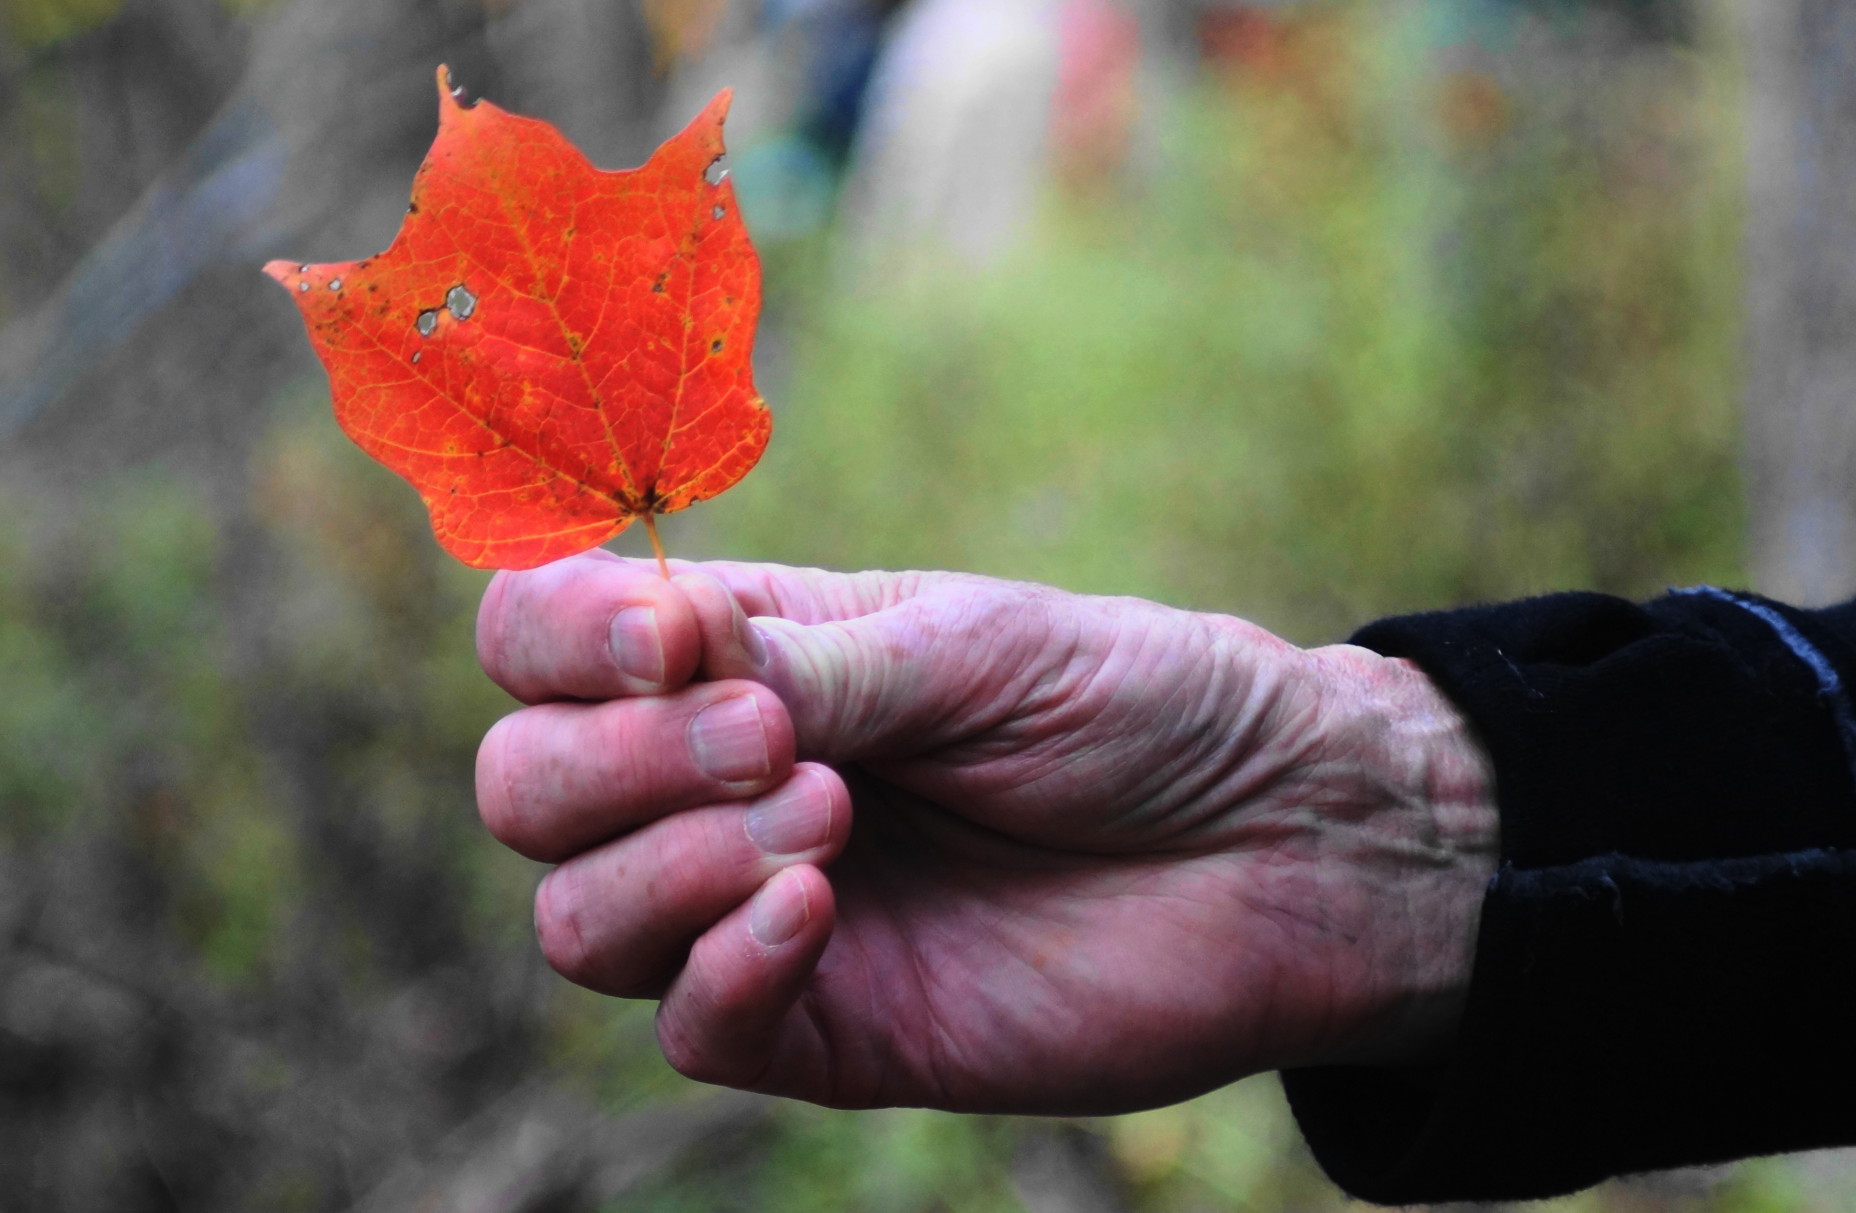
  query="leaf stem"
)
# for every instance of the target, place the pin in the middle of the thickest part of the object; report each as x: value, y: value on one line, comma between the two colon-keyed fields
x: 657, y: 547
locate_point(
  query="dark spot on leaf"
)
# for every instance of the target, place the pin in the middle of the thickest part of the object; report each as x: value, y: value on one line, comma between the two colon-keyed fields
x: 412, y: 208
x: 715, y: 347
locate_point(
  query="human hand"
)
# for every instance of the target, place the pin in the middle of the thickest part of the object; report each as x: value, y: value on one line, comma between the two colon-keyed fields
x: 1106, y: 854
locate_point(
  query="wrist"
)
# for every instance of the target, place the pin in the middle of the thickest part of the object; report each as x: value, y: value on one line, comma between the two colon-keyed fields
x: 1433, y: 825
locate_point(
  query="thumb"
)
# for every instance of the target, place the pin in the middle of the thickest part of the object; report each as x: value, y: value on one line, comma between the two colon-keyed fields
x: 957, y: 655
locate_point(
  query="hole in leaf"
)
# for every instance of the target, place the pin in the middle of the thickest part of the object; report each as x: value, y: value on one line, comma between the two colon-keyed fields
x: 303, y: 269
x: 460, y: 302
x: 717, y: 170
x: 335, y: 284
x: 416, y: 355
x: 717, y: 213
x: 457, y: 90
x: 302, y: 286
x: 427, y: 322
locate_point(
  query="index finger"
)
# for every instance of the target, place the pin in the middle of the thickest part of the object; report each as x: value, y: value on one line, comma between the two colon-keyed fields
x: 812, y: 596
x: 588, y: 627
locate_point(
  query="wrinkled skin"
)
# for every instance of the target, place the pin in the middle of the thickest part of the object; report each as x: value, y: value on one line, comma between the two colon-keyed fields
x: 1019, y: 850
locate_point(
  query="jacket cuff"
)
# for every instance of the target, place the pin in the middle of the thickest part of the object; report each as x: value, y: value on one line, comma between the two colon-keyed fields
x: 1676, y: 894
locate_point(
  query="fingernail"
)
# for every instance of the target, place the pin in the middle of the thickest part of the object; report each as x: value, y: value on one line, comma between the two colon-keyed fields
x: 779, y: 910
x: 728, y: 742
x: 636, y: 644
x: 751, y: 643
x: 796, y: 818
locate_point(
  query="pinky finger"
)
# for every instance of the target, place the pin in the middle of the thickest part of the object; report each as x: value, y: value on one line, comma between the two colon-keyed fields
x: 725, y: 1018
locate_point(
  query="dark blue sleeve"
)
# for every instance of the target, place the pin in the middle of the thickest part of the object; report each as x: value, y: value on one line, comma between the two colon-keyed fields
x: 1667, y: 952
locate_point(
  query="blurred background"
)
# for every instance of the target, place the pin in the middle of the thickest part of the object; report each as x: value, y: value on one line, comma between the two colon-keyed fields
x: 1309, y: 312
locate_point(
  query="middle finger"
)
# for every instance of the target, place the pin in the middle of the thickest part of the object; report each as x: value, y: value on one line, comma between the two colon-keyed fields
x: 557, y: 778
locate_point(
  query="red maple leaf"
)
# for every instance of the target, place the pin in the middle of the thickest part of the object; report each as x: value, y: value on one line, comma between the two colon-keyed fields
x: 548, y: 350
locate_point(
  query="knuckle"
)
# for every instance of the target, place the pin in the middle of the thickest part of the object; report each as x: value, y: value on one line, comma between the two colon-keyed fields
x: 492, y: 628
x: 1009, y: 620
x: 493, y: 795
x: 499, y: 773
x: 684, y: 1053
x: 995, y: 607
x: 559, y: 930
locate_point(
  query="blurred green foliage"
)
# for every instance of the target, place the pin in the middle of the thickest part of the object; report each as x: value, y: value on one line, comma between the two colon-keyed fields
x: 39, y: 23
x: 1330, y: 359
x: 1367, y: 335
